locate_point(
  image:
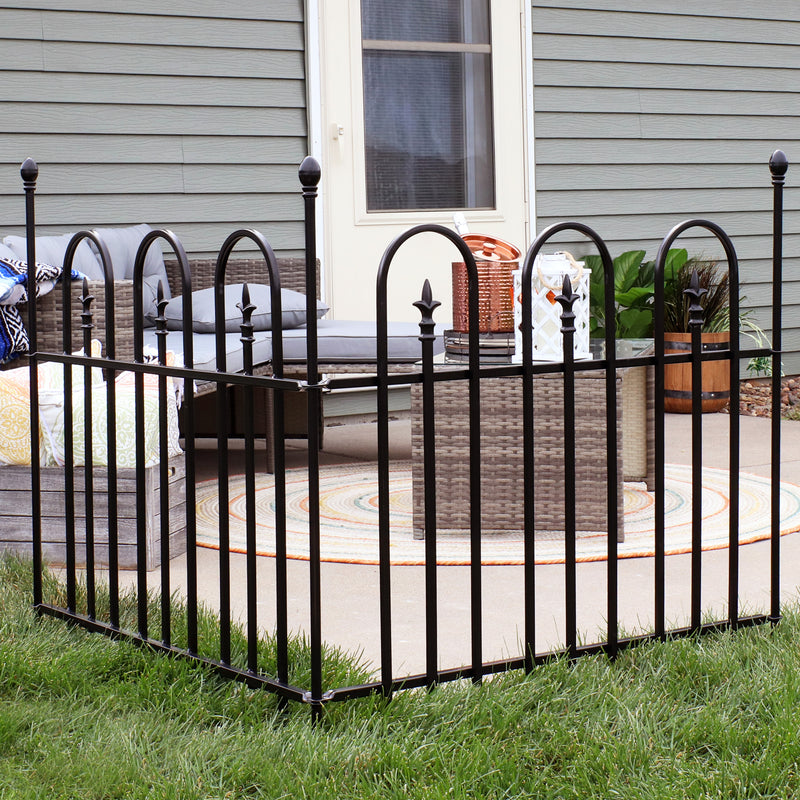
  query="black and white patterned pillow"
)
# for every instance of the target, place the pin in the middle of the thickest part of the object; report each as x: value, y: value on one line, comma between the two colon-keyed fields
x: 13, y: 336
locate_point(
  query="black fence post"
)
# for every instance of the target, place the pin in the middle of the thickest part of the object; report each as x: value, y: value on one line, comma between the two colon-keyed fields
x: 30, y: 172
x: 310, y: 173
x: 778, y: 166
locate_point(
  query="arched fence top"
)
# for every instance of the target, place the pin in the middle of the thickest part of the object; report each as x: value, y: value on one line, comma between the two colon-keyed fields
x: 382, y: 281
x: 105, y: 261
x: 138, y: 282
x: 733, y: 275
x: 608, y: 279
x: 274, y: 277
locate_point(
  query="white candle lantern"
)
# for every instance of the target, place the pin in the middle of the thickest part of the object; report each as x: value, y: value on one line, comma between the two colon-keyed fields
x: 546, y: 284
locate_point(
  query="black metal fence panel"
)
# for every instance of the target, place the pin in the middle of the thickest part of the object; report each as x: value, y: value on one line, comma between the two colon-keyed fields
x: 237, y: 653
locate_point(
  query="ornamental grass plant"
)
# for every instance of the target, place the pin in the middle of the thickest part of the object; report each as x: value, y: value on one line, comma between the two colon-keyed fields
x: 713, y: 281
x: 85, y: 717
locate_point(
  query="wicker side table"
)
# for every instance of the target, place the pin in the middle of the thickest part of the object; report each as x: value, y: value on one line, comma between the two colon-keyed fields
x: 502, y: 455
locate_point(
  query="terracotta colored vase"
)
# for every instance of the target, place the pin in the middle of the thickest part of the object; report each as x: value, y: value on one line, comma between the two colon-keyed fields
x: 716, y: 378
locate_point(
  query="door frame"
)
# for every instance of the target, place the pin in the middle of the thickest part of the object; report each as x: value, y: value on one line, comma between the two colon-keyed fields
x: 314, y: 115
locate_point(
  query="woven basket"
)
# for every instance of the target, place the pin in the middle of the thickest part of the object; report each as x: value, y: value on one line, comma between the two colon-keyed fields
x: 495, y: 296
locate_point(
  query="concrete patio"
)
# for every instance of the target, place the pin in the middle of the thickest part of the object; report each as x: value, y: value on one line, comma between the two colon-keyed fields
x: 350, y: 592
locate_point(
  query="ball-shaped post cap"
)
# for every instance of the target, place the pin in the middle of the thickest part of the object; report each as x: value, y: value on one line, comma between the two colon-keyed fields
x: 778, y: 163
x: 29, y: 170
x: 310, y: 172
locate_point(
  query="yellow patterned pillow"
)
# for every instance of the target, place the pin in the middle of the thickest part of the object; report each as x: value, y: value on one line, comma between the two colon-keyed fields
x: 51, y: 403
x: 15, y: 435
x: 15, y: 416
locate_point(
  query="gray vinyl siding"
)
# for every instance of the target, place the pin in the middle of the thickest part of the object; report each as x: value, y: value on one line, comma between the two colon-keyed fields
x: 189, y: 115
x: 649, y: 112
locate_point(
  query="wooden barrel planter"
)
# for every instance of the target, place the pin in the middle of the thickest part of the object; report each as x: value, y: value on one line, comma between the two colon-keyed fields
x: 716, y: 381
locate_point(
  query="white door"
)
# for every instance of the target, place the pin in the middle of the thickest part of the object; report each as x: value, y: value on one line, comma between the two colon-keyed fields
x: 423, y: 115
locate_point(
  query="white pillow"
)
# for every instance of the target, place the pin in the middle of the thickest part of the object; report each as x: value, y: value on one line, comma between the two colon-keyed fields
x: 293, y: 309
x: 51, y: 250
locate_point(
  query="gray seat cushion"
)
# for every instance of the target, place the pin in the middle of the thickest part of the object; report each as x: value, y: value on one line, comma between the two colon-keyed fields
x: 339, y: 341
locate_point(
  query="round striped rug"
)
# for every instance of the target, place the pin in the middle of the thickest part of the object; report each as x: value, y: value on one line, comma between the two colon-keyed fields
x: 349, y: 519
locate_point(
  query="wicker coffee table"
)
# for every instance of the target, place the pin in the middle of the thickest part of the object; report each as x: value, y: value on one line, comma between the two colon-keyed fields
x: 502, y: 504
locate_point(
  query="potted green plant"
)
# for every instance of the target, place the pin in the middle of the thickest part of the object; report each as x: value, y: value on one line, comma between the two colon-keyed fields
x: 714, y: 335
x: 633, y: 302
x: 633, y: 292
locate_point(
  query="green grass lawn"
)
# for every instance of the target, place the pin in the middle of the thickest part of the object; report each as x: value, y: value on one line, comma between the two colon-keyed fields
x: 82, y: 716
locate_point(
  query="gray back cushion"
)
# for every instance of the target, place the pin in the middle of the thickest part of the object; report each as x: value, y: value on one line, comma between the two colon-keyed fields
x: 293, y: 309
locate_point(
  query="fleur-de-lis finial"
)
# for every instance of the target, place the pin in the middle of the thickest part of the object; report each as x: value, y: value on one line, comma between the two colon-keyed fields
x: 247, y: 308
x: 86, y: 303
x: 161, y: 306
x: 695, y: 291
x: 427, y: 305
x: 567, y: 300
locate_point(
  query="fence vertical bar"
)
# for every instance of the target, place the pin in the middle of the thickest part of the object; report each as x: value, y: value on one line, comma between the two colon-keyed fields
x: 188, y: 445
x: 189, y: 455
x: 384, y: 527
x: 659, y: 593
x: 281, y: 573
x: 139, y: 433
x: 695, y: 326
x: 247, y: 308
x: 88, y: 451
x: 778, y: 166
x: 223, y: 416
x: 163, y: 446
x: 384, y: 551
x: 529, y: 469
x: 29, y: 172
x: 476, y: 587
x: 612, y: 454
x: 567, y: 299
x: 734, y: 455
x: 427, y: 305
x: 69, y: 451
x: 279, y: 465
x: 310, y: 174
x: 111, y: 429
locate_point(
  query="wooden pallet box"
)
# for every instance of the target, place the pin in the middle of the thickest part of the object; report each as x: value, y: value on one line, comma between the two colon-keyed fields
x: 15, y: 513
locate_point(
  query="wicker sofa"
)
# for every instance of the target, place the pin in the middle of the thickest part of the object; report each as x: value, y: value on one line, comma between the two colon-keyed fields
x: 343, y: 346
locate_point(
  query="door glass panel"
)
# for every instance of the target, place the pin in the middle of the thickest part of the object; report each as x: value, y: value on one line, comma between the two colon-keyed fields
x: 427, y: 104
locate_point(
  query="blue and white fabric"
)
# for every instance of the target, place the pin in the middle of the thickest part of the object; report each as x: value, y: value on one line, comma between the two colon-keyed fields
x: 13, y: 292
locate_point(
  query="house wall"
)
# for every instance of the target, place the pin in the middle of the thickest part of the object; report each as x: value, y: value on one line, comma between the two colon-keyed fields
x: 668, y: 110
x: 189, y: 114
